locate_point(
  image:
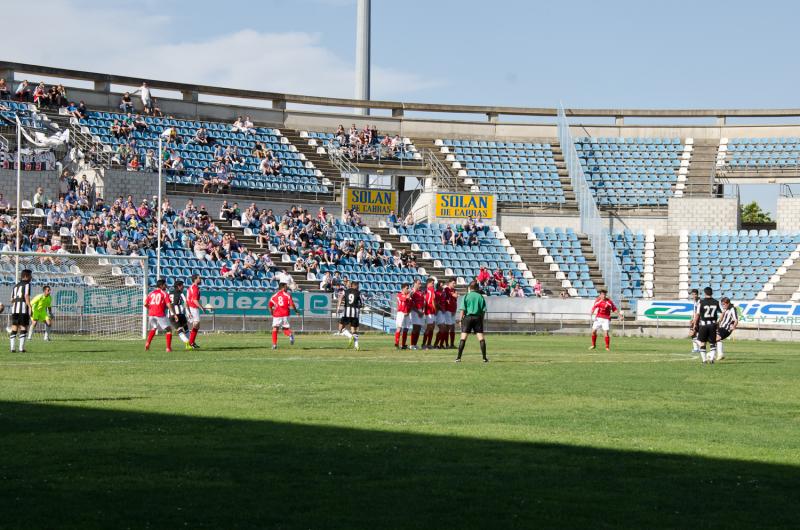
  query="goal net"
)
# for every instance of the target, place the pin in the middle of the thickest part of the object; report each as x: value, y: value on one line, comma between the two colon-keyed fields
x: 90, y: 294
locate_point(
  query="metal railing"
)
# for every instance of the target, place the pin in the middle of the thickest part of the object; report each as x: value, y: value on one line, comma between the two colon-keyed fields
x: 591, y: 222
x: 342, y: 163
x: 443, y: 178
x: 85, y: 141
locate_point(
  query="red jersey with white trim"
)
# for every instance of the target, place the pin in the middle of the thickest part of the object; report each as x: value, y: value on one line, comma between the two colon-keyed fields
x: 441, y: 301
x: 430, y: 301
x: 404, y: 303
x: 417, y: 301
x: 280, y: 304
x: 193, y: 296
x: 604, y: 308
x: 157, y: 303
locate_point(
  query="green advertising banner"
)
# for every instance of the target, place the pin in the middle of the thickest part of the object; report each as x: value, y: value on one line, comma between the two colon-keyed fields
x: 255, y: 302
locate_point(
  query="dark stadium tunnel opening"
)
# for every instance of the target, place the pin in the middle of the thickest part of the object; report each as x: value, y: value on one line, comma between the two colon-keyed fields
x: 74, y: 467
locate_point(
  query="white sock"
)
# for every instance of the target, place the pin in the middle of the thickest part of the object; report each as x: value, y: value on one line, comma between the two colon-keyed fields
x: 30, y: 333
x: 719, y: 351
x: 183, y: 337
x: 695, y: 345
x: 355, y: 337
x: 702, y: 354
x: 347, y: 333
x: 13, y: 338
x: 22, y: 342
x: 46, y: 331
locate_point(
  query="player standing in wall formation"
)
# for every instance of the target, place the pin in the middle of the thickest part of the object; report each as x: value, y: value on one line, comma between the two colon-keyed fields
x: 194, y: 308
x: 473, y: 309
x: 339, y: 302
x: 601, y: 318
x: 417, y: 309
x: 178, y: 313
x: 445, y: 316
x: 42, y: 311
x: 695, y: 296
x: 440, y: 318
x: 430, y: 313
x: 402, y: 319
x: 708, y: 312
x: 158, y: 304
x: 281, y: 305
x: 727, y: 324
x: 351, y: 314
x: 20, y: 310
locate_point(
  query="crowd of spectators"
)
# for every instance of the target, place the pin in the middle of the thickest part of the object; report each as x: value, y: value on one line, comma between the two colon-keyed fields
x: 367, y: 143
x: 500, y: 280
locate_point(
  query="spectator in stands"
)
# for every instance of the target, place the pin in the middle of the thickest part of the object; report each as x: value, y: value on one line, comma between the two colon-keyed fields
x: 133, y: 163
x: 170, y: 135
x: 5, y: 206
x: 276, y: 166
x: 326, y: 283
x: 226, y: 211
x: 23, y: 91
x: 140, y: 124
x: 391, y: 219
x: 40, y: 96
x: 481, y: 226
x: 473, y: 240
x: 517, y: 291
x: 147, y: 99
x: 447, y: 236
x: 408, y: 222
x: 40, y: 234
x: 241, y: 125
x: 125, y: 103
x: 537, y: 288
x: 150, y: 163
x: 501, y: 282
x: 81, y: 112
x: 59, y: 98
x: 226, y: 272
x: 284, y: 277
x: 484, y: 276
x: 200, y: 137
x: 5, y: 93
x: 564, y: 293
x: 39, y: 199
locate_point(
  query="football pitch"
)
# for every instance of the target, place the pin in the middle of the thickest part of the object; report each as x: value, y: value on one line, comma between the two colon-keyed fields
x: 100, y: 434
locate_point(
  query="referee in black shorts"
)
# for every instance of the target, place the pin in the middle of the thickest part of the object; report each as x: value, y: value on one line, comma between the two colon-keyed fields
x: 473, y: 308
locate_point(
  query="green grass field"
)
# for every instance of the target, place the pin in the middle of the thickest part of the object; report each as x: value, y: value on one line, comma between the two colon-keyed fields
x: 100, y: 434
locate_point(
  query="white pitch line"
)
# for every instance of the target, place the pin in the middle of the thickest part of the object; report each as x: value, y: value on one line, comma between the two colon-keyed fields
x: 684, y: 357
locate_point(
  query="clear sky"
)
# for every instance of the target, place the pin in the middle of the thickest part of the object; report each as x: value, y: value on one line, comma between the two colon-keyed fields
x: 509, y: 52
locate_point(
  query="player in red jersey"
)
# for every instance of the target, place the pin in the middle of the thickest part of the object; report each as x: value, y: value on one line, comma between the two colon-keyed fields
x: 601, y: 313
x: 194, y: 308
x: 445, y: 316
x: 403, y: 318
x: 157, y: 304
x: 281, y: 305
x: 417, y: 309
x: 430, y: 313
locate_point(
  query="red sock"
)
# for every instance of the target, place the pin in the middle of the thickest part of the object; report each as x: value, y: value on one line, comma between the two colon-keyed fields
x: 192, y: 336
x: 414, y: 337
x: 594, y: 339
x: 397, y: 337
x: 274, y: 337
x: 452, y: 337
x: 608, y: 341
x: 287, y: 332
x: 405, y: 336
x: 169, y: 340
x: 150, y: 335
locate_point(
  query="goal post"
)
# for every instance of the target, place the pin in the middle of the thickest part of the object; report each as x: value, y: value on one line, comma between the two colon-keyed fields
x: 92, y: 294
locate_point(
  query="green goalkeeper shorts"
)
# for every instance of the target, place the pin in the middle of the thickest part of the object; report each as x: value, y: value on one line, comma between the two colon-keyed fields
x: 40, y: 316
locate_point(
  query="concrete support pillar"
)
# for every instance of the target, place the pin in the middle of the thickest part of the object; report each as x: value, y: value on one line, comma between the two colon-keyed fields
x: 279, y: 104
x: 363, y: 53
x: 397, y: 113
x: 721, y: 120
x: 190, y: 95
x: 493, y: 117
x: 619, y: 121
x: 102, y: 86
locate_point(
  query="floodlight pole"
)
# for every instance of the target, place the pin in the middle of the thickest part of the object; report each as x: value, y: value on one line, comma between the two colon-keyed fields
x: 158, y: 211
x: 363, y: 53
x: 19, y: 201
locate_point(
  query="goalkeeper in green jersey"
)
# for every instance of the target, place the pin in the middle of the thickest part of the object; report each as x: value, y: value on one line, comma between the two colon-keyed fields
x: 42, y: 311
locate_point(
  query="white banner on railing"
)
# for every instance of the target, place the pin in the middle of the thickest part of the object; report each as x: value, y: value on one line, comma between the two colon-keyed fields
x: 751, y: 312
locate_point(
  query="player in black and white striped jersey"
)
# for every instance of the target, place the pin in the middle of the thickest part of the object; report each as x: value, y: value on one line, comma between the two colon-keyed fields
x: 351, y: 299
x: 705, y: 321
x: 178, y: 312
x: 727, y: 323
x: 20, y: 310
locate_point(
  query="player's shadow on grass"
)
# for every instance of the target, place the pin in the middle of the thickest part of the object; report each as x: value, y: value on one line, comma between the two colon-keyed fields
x: 70, y: 467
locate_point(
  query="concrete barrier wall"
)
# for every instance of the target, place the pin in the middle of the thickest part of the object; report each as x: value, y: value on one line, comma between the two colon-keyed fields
x: 702, y: 213
x: 30, y: 180
x: 788, y: 217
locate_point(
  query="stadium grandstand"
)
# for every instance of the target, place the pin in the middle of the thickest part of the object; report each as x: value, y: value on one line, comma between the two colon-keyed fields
x: 252, y: 194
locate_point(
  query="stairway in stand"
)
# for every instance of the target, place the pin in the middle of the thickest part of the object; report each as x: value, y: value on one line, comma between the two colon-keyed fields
x: 427, y: 264
x: 320, y: 161
x: 665, y: 273
x: 551, y: 286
